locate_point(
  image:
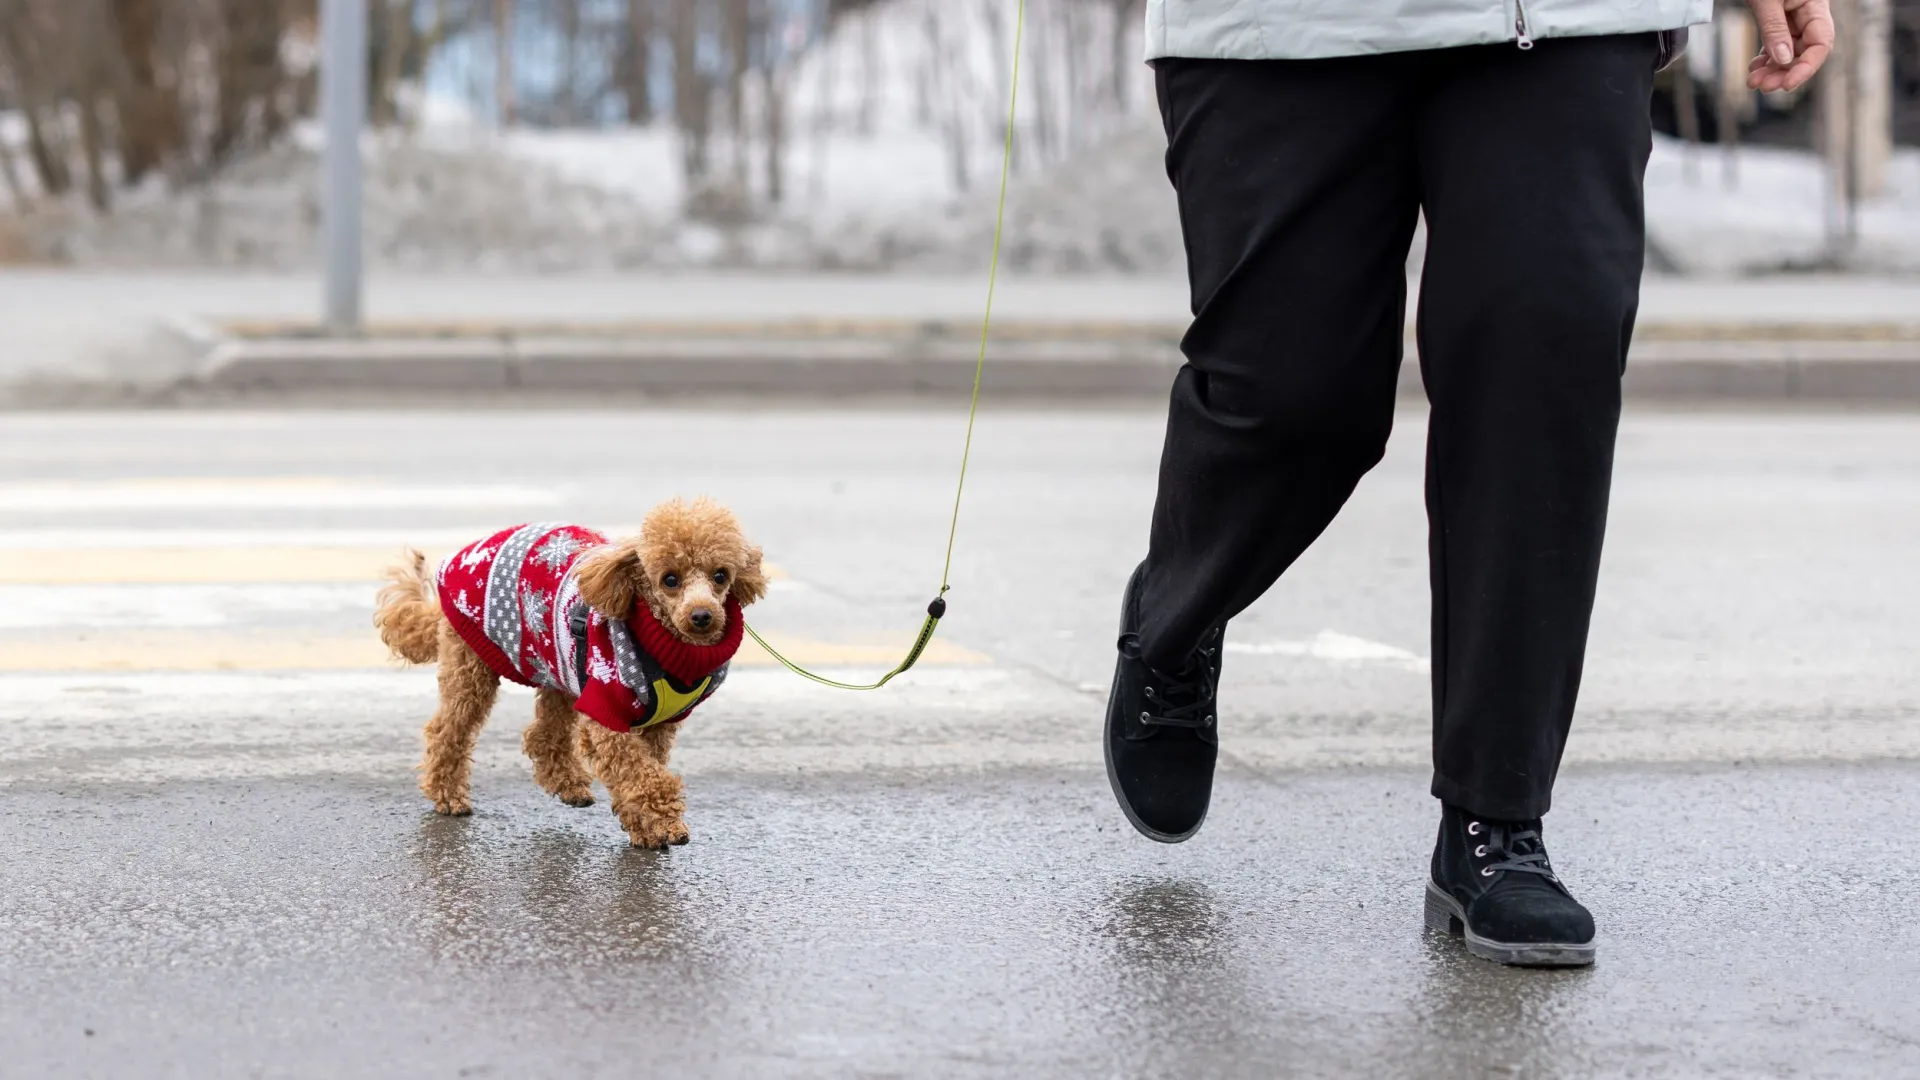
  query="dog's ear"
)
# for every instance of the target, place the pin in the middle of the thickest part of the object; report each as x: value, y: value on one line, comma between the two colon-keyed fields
x: 610, y: 580
x: 750, y: 580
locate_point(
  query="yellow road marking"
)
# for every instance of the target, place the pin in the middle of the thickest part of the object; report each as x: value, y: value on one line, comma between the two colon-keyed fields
x: 148, y: 651
x: 207, y: 566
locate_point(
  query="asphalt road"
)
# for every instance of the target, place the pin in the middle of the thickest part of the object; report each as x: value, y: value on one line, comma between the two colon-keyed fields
x: 216, y: 864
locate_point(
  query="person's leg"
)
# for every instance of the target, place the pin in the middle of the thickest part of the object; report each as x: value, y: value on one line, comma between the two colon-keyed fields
x: 1297, y: 203
x: 1531, y: 166
x: 1297, y: 200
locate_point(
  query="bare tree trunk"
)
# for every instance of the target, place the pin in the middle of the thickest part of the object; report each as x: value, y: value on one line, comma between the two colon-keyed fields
x: 10, y: 84
x: 1872, y: 93
x: 923, y: 76
x: 640, y: 62
x: 1038, y: 41
x: 28, y: 38
x: 689, y: 93
x: 396, y: 39
x: 149, y: 112
x: 247, y: 70
x: 570, y: 107
x: 1737, y: 39
x: 48, y: 152
x: 231, y: 75
x: 738, y: 31
x: 869, y: 72
x: 278, y: 107
x: 822, y: 127
x: 503, y: 92
x: 999, y: 46
x: 93, y: 137
x: 87, y: 61
x: 9, y: 161
x: 10, y: 172
x: 1070, y: 120
x: 775, y: 84
x: 1838, y: 138
x: 941, y: 84
x: 1686, y: 116
x: 1127, y: 14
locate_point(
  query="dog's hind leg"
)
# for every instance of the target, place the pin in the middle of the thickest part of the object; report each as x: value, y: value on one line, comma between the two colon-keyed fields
x: 550, y: 742
x: 467, y: 692
x: 647, y: 798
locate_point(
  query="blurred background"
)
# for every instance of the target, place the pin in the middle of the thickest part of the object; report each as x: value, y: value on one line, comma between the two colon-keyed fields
x: 516, y: 135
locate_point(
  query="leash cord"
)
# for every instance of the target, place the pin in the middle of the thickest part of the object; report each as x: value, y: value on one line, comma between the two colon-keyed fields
x: 938, y: 608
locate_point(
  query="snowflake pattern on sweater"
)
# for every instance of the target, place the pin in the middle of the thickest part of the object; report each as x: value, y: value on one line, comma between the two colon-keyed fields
x: 514, y: 599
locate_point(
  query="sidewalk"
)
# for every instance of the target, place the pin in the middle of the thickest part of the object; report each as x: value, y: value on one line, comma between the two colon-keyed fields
x: 91, y: 338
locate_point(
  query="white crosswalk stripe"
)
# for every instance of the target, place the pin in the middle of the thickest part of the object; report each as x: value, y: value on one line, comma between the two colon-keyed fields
x: 292, y: 493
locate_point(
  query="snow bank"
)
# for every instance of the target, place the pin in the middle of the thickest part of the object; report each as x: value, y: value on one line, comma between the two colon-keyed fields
x: 1774, y: 213
x: 591, y: 200
x: 426, y: 208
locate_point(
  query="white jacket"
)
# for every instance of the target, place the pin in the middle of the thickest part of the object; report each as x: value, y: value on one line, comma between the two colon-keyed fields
x: 1310, y: 29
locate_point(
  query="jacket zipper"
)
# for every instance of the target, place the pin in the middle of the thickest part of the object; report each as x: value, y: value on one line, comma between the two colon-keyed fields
x: 1520, y: 35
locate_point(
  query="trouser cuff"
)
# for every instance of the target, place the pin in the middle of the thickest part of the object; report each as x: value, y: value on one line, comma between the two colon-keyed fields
x: 1499, y: 807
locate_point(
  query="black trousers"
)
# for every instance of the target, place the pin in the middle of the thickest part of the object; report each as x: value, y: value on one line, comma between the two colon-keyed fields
x: 1299, y: 183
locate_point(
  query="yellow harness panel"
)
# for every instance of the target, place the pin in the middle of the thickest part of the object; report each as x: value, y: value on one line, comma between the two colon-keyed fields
x: 669, y: 703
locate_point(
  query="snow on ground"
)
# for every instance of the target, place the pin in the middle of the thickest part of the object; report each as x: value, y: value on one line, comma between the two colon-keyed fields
x: 1107, y: 208
x: 1774, y: 214
x: 426, y: 208
x: 453, y: 196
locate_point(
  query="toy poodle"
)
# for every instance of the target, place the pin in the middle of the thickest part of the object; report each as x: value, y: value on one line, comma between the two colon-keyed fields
x: 620, y: 640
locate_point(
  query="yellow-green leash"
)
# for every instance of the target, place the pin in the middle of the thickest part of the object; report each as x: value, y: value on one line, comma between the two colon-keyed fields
x: 939, y: 606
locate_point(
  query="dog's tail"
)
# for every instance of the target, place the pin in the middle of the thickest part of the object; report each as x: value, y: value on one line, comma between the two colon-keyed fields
x: 406, y: 612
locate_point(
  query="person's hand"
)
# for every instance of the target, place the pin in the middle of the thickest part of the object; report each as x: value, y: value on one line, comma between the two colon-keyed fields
x: 1795, y: 38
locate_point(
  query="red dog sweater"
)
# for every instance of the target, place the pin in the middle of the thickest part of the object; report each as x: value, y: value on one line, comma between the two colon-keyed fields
x: 514, y: 599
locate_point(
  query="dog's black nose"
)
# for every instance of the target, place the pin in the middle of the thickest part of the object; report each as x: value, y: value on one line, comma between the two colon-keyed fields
x: 701, y: 619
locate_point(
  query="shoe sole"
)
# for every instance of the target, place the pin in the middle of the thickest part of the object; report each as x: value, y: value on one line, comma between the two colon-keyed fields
x: 1113, y: 780
x: 1120, y: 797
x: 1446, y: 916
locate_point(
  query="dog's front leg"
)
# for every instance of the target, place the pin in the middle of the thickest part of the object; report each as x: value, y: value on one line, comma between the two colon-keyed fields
x: 647, y: 798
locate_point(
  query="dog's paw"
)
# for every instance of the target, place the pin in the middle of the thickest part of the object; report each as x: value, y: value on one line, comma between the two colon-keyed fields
x: 582, y: 797
x: 452, y: 807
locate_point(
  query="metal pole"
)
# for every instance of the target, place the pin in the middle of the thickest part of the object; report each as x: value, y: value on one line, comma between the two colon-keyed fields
x: 343, y: 106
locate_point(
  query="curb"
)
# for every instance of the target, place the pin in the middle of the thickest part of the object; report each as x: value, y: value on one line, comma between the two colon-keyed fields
x: 776, y: 369
x: 1841, y: 364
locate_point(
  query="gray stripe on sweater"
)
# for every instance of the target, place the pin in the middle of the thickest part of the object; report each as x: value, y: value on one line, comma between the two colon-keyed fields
x: 503, y: 619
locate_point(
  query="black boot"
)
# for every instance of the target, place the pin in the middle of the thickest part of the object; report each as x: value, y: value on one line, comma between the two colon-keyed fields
x: 1492, y: 885
x: 1161, y: 735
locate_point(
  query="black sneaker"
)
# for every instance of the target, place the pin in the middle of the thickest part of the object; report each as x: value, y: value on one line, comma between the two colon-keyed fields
x: 1161, y: 737
x: 1493, y: 886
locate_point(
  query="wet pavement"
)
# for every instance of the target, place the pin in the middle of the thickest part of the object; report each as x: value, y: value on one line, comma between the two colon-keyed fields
x: 216, y: 864
x: 1753, y: 923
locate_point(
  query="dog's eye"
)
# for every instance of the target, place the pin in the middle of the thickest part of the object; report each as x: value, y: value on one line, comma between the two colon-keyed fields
x: 671, y: 581
x: 719, y: 577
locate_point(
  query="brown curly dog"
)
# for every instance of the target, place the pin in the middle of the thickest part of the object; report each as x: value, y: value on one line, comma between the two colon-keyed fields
x: 690, y: 567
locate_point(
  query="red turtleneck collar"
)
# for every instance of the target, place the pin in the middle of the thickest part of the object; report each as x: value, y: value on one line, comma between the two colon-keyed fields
x: 686, y: 662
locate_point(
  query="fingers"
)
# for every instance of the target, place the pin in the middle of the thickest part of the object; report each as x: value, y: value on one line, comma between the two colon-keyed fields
x: 1804, y: 28
x: 1776, y: 36
x: 1804, y: 68
x: 1813, y: 21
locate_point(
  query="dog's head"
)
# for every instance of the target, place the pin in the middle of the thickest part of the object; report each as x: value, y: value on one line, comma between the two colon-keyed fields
x: 687, y: 561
